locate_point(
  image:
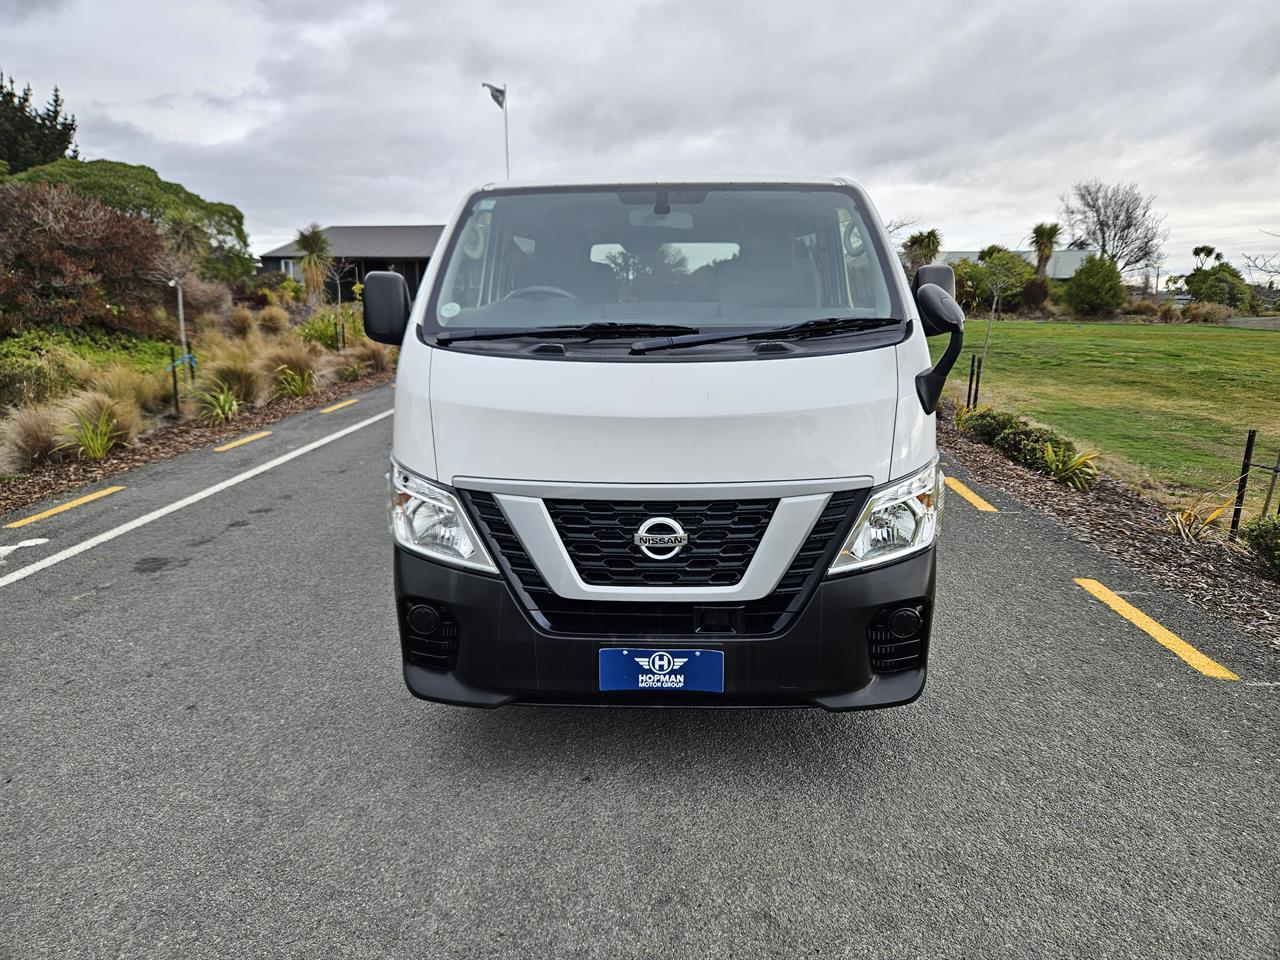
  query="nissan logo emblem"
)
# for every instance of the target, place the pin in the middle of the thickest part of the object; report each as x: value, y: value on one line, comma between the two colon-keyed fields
x: 660, y: 538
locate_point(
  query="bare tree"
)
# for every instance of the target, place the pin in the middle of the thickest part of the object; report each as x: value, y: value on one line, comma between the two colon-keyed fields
x: 1118, y: 220
x: 1263, y: 268
x: 897, y: 225
x: 337, y: 270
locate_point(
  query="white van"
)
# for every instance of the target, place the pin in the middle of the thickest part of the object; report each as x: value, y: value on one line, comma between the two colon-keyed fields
x: 666, y: 444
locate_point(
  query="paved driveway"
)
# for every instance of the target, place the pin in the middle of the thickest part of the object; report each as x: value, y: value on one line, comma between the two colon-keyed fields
x: 207, y: 751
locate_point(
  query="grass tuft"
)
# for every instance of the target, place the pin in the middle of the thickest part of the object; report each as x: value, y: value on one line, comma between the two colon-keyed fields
x: 242, y: 322
x: 151, y: 391
x: 273, y: 320
x: 99, y: 424
x: 33, y: 433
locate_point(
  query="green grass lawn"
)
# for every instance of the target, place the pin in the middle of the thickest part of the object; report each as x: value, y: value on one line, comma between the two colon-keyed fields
x: 1168, y: 407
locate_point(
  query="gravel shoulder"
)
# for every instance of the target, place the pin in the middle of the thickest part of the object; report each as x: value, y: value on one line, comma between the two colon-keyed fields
x: 1214, y: 575
x: 21, y: 490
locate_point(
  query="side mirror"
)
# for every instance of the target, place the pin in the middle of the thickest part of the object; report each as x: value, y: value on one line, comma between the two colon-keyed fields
x: 386, y: 306
x: 940, y: 275
x: 939, y: 310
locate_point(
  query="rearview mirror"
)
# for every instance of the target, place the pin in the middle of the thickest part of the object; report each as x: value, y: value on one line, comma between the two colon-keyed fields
x: 940, y: 311
x: 386, y: 306
x: 939, y: 275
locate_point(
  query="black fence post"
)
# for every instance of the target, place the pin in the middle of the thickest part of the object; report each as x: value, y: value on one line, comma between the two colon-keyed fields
x: 173, y: 368
x: 1244, y: 483
x: 968, y: 394
x: 977, y: 384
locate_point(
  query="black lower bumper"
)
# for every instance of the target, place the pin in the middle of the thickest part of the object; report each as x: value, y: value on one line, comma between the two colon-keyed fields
x: 496, y: 655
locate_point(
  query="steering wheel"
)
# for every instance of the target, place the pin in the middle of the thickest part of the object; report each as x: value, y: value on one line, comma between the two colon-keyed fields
x: 854, y: 245
x: 544, y: 290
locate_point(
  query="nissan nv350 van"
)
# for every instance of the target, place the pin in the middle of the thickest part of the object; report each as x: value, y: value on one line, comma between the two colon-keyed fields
x: 666, y: 444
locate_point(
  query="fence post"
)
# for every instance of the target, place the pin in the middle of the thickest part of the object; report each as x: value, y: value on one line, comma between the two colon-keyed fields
x: 977, y: 384
x: 173, y: 368
x: 968, y: 394
x: 1244, y: 483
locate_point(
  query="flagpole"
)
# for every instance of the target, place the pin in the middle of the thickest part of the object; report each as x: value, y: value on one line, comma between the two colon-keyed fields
x: 506, y: 130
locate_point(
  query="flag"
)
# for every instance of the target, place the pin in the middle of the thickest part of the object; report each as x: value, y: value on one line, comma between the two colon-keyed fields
x: 499, y: 94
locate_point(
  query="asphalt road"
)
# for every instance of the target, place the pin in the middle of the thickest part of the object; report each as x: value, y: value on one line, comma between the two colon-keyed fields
x: 207, y: 751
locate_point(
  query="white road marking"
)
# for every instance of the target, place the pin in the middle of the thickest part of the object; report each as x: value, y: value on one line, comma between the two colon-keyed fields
x: 5, y: 551
x: 109, y: 535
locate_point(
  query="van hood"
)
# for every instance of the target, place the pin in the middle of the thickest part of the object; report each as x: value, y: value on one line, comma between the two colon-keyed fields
x: 800, y: 418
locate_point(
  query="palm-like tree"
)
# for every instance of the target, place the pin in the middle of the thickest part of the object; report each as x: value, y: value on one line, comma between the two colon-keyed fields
x: 921, y: 248
x: 1044, y: 237
x: 316, y: 257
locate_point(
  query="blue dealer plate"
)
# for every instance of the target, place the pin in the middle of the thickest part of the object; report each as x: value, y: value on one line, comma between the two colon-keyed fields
x: 630, y: 668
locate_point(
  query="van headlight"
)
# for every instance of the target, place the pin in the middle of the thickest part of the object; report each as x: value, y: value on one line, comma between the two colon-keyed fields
x: 901, y: 518
x: 428, y: 519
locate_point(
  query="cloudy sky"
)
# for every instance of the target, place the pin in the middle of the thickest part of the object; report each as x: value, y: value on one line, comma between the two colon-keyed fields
x: 974, y: 117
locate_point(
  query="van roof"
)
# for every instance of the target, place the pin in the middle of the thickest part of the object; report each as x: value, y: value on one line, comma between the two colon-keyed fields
x: 735, y: 180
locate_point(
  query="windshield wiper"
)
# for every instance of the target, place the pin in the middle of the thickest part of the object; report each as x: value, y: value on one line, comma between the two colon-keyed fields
x: 588, y: 330
x: 797, y: 331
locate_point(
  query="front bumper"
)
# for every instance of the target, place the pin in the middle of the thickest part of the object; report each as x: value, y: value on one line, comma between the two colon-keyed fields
x: 823, y: 658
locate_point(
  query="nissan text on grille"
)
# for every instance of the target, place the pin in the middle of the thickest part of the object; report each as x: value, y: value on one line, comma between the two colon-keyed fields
x: 666, y: 444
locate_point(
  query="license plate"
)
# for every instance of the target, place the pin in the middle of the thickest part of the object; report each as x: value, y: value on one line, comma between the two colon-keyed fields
x: 628, y: 668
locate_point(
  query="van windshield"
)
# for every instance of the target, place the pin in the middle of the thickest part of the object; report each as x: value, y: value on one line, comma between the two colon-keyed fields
x: 707, y: 257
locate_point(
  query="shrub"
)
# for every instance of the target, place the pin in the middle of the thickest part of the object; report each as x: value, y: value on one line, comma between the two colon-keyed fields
x: 1193, y: 523
x: 1142, y: 307
x: 1076, y: 471
x: 29, y: 379
x: 99, y: 425
x: 1262, y: 536
x: 242, y: 322
x: 321, y: 328
x: 1096, y: 287
x: 119, y: 381
x: 1215, y: 313
x: 1025, y: 444
x: 67, y: 259
x: 34, y: 434
x: 351, y: 371
x: 219, y: 404
x: 378, y: 357
x: 985, y: 424
x: 296, y: 356
x: 1034, y: 293
x: 290, y: 290
x: 273, y: 319
x: 1168, y: 312
x: 124, y: 413
x: 294, y: 383
x: 239, y: 373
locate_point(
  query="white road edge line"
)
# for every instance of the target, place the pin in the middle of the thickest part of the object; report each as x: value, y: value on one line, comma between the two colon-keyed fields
x: 177, y: 505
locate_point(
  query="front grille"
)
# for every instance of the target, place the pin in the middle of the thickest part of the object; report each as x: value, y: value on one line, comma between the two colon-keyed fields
x: 606, y: 618
x: 723, y: 536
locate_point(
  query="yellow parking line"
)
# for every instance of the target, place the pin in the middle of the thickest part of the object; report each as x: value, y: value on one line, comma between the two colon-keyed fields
x: 242, y: 441
x: 339, y: 406
x: 1171, y: 641
x: 62, y: 508
x: 969, y: 495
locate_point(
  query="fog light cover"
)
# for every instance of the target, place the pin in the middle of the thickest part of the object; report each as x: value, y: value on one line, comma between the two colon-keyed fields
x: 899, y: 519
x: 428, y: 519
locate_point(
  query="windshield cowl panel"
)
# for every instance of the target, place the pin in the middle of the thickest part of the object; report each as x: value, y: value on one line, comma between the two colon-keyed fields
x: 619, y: 349
x: 715, y: 259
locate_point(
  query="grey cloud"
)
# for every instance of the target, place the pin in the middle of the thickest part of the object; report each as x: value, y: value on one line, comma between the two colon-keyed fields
x: 14, y: 12
x: 976, y: 123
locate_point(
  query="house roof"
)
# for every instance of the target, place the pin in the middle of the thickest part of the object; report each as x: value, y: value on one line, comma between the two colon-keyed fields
x: 1062, y: 264
x: 390, y: 242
